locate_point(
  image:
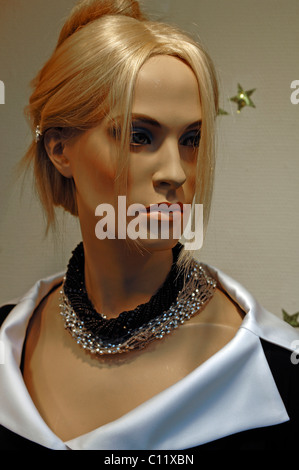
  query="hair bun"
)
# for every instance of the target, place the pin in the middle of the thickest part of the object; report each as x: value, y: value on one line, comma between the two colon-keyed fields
x: 89, y: 10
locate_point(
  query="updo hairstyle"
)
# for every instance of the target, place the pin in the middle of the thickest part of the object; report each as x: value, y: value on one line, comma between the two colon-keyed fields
x: 92, y: 71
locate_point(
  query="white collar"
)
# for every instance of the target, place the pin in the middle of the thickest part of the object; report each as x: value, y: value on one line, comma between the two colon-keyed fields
x: 232, y: 391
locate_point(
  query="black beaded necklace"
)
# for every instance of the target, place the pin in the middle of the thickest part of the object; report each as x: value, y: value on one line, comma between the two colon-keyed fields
x: 135, y: 328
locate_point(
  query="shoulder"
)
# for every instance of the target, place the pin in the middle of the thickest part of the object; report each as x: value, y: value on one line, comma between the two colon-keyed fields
x: 284, y: 366
x: 26, y: 304
x: 283, y: 363
x: 257, y: 319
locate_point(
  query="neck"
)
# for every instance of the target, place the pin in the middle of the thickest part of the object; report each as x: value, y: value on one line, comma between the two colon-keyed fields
x: 118, y: 278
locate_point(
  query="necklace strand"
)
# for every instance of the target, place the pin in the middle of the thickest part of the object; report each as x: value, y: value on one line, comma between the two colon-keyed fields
x: 176, y: 301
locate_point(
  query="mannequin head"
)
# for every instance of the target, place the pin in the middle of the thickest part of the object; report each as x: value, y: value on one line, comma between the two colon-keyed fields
x: 91, y: 77
x: 164, y: 140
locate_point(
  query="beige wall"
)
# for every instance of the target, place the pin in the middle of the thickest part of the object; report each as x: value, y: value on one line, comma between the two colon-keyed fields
x: 253, y: 232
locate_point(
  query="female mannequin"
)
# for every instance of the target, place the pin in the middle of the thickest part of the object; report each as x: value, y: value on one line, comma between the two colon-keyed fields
x: 132, y: 115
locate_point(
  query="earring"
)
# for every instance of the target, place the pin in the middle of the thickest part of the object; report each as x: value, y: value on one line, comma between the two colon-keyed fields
x: 37, y: 133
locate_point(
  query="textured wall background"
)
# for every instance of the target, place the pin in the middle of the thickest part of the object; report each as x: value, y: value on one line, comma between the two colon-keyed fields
x: 253, y: 232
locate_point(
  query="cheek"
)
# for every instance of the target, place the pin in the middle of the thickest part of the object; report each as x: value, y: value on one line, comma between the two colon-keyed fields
x: 190, y: 183
x: 189, y: 191
x: 139, y: 175
x: 94, y: 173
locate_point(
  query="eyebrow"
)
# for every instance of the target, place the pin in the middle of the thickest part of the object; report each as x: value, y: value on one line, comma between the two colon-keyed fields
x: 153, y: 122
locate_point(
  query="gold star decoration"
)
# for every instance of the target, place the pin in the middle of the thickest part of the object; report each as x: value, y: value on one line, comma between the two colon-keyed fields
x: 222, y: 112
x: 243, y: 98
x: 291, y: 319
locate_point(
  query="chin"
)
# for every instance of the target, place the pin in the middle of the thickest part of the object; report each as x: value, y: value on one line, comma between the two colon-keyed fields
x: 153, y: 245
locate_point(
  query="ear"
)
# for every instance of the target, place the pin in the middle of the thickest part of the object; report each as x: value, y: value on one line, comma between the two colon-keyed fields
x: 55, y: 149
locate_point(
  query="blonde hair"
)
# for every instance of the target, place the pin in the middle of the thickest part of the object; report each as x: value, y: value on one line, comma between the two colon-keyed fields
x: 93, y: 70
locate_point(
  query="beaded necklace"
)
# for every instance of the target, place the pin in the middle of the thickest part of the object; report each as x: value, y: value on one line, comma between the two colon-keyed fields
x: 177, y: 300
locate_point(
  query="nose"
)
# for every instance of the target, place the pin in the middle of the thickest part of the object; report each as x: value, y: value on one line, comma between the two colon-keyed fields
x: 169, y: 174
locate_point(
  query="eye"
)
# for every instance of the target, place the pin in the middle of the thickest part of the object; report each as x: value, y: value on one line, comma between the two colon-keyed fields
x: 140, y: 137
x: 191, y: 139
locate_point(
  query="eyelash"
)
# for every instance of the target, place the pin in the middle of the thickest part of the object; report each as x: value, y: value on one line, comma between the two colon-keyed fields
x: 194, y: 137
x: 141, y: 137
x: 146, y: 137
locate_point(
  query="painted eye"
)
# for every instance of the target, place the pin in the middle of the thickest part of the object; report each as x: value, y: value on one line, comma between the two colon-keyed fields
x: 192, y: 139
x: 140, y: 137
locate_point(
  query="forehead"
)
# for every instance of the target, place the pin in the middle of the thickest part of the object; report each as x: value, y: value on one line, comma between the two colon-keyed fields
x: 167, y: 90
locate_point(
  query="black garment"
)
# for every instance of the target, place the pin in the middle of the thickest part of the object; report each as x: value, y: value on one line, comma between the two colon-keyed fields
x: 283, y: 436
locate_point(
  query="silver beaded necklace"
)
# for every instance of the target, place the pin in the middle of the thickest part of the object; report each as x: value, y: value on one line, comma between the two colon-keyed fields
x: 198, y: 289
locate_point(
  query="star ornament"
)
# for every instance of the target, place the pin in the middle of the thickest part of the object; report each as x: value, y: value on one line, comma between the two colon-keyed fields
x: 291, y: 319
x: 243, y: 98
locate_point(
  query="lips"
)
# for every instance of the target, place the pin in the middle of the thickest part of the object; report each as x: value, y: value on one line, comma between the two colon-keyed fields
x: 165, y: 207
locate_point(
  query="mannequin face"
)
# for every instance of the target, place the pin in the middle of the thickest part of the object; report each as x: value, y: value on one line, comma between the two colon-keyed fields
x: 165, y: 135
